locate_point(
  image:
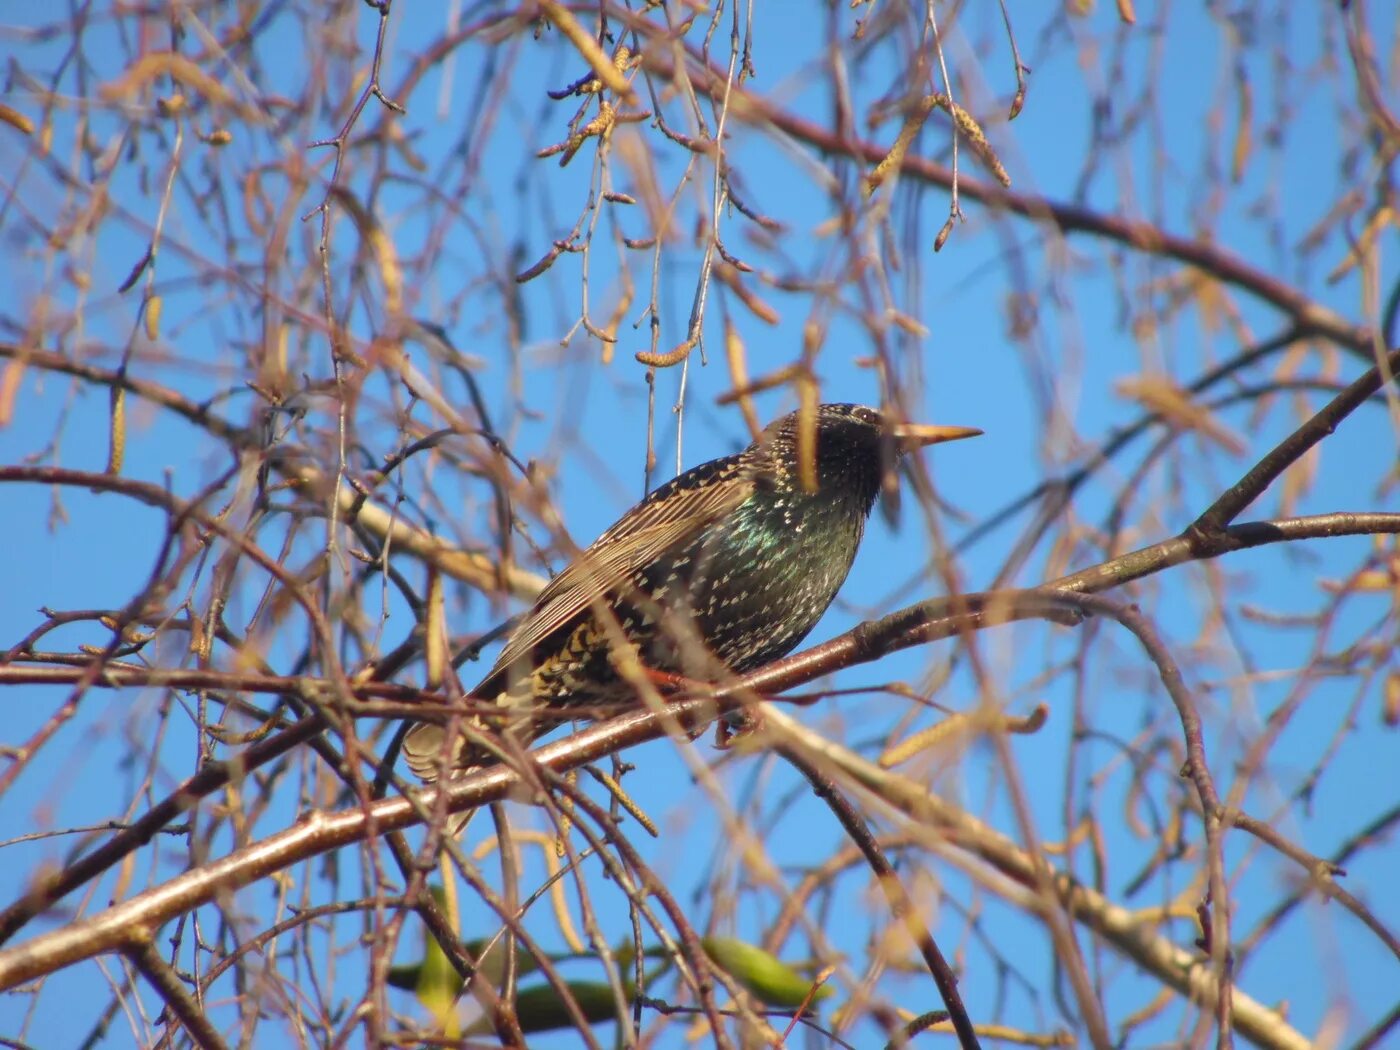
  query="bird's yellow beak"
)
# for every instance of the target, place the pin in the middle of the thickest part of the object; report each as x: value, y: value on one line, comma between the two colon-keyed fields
x: 917, y: 435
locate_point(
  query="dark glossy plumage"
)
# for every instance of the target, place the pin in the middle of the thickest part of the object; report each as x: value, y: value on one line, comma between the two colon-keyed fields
x: 726, y: 567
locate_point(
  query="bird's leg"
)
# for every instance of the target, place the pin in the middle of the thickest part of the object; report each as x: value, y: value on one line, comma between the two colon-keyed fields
x: 731, y: 726
x: 677, y: 686
x: 673, y: 683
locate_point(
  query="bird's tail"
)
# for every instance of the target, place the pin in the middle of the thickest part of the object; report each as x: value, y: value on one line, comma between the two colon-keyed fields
x: 423, y: 751
x: 457, y: 822
x: 424, y: 747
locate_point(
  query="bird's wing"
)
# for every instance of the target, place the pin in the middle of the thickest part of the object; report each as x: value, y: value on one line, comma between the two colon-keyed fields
x: 668, y: 518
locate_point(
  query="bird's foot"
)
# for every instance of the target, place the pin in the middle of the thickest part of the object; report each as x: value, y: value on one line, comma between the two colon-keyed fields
x: 736, y: 726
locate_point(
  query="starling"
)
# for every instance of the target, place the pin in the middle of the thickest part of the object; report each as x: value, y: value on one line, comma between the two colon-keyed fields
x: 723, y: 569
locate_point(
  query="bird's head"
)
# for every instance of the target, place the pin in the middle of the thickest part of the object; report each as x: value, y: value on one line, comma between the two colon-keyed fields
x: 855, y: 446
x: 843, y: 431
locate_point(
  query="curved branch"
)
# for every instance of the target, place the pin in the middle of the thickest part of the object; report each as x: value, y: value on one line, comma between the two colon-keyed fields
x: 404, y: 537
x: 1128, y: 933
x: 925, y: 622
x: 1307, y: 314
x: 898, y: 898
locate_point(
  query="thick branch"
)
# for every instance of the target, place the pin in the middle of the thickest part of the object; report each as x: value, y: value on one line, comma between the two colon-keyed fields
x: 177, y: 997
x: 925, y: 622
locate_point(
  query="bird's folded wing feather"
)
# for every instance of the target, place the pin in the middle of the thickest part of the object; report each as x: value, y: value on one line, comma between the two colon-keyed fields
x: 670, y: 517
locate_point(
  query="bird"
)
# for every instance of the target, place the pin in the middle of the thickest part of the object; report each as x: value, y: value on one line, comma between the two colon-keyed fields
x: 723, y: 569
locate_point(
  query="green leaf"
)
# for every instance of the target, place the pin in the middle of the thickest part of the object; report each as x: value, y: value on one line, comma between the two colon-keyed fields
x: 765, y: 976
x: 437, y: 987
x: 540, y: 1008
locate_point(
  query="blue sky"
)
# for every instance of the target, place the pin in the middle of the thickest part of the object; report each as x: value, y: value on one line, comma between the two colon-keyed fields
x: 968, y: 370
